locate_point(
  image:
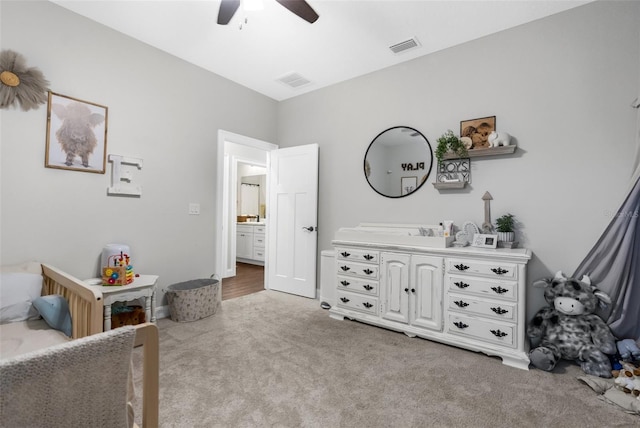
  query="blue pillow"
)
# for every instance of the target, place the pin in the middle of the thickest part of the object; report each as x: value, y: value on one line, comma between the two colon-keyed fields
x: 55, y: 311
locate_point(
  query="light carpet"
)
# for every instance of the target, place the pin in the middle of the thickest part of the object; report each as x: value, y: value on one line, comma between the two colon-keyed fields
x: 275, y: 360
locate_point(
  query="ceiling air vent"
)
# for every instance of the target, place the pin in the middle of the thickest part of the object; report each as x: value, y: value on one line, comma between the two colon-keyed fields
x: 294, y: 80
x: 403, y: 46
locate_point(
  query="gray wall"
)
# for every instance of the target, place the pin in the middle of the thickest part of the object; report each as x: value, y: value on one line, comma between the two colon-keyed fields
x: 161, y: 109
x: 562, y: 86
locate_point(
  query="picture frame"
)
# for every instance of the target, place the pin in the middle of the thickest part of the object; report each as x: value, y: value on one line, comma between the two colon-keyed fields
x: 478, y: 130
x: 408, y: 185
x: 84, y: 149
x: 483, y: 240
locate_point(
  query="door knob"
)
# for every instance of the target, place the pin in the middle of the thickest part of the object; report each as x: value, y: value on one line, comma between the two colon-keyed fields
x: 309, y: 228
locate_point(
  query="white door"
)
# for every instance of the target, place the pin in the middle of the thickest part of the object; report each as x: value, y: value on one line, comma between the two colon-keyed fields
x: 293, y: 214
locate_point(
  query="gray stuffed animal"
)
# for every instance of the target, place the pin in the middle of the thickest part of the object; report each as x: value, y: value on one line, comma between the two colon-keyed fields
x: 569, y: 329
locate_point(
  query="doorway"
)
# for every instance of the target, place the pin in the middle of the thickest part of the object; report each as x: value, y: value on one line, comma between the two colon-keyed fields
x: 291, y: 212
x: 249, y: 279
x: 238, y: 156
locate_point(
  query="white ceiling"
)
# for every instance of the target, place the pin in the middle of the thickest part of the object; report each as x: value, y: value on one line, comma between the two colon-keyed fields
x: 351, y: 38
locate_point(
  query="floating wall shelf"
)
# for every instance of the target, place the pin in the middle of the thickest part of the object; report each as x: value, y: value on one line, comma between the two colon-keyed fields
x: 453, y: 166
x: 452, y: 185
x: 491, y: 151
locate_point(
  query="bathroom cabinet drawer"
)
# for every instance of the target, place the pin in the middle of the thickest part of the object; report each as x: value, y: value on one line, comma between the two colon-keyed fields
x: 244, y: 228
x: 258, y: 240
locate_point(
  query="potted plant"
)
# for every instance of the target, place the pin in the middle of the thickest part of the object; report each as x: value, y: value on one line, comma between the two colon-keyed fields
x: 449, y: 143
x: 505, y: 229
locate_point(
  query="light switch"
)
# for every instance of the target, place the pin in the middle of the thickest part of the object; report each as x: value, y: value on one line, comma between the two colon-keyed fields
x: 194, y: 209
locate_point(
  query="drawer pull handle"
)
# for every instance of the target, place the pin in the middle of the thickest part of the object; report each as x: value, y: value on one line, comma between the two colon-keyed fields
x: 367, y: 271
x: 367, y: 305
x: 498, y: 333
x: 345, y: 254
x: 345, y: 268
x: 499, y: 310
x: 368, y: 257
x: 499, y: 289
x: 460, y: 324
x: 344, y: 299
x: 499, y: 271
x: 461, y: 284
x: 367, y: 287
x: 461, y: 267
x: 461, y: 303
x: 406, y: 290
x: 345, y: 283
x: 413, y: 290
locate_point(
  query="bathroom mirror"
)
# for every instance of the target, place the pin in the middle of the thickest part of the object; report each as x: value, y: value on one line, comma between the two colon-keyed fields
x: 252, y: 196
x: 398, y: 162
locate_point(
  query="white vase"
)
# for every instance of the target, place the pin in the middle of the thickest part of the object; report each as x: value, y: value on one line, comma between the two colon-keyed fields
x: 506, y: 236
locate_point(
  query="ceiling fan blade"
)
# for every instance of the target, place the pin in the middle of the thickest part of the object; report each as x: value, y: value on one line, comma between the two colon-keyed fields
x: 300, y: 8
x: 227, y: 10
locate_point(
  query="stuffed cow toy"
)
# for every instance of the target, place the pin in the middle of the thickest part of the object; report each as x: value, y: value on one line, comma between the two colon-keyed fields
x: 569, y: 329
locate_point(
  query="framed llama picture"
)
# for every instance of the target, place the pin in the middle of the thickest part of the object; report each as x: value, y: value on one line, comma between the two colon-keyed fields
x: 76, y: 134
x: 478, y: 131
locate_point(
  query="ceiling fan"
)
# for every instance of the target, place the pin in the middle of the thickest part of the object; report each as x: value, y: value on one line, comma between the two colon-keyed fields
x: 299, y: 7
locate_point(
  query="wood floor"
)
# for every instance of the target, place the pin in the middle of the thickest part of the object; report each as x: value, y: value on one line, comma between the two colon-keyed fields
x: 249, y: 279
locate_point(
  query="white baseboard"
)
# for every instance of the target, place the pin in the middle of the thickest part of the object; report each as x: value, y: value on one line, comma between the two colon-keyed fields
x: 162, y: 312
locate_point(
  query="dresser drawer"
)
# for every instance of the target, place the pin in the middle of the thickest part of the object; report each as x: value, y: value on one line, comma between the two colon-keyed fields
x: 492, y: 269
x: 507, y: 290
x: 358, y: 285
x: 357, y: 269
x: 485, y: 330
x: 357, y: 255
x: 259, y: 229
x: 498, y: 310
x: 357, y: 302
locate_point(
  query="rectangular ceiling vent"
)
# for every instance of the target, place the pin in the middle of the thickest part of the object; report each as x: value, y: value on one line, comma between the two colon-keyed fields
x: 294, y: 80
x: 406, y: 45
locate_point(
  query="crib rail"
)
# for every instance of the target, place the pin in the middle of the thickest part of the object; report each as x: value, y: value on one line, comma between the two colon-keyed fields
x: 85, y: 303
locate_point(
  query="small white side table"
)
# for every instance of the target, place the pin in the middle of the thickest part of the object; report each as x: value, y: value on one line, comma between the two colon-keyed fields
x: 143, y: 286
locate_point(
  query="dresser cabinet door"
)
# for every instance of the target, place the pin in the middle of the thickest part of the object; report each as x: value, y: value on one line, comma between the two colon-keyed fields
x: 395, y: 286
x: 426, y: 292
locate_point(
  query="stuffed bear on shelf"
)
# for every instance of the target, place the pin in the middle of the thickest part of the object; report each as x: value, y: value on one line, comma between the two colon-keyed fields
x: 569, y: 329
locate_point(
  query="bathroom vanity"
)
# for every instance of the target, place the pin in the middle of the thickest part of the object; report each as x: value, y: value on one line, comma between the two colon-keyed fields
x: 250, y: 242
x: 391, y: 276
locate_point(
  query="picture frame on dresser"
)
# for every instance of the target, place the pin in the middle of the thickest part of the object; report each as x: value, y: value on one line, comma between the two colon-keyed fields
x: 483, y: 240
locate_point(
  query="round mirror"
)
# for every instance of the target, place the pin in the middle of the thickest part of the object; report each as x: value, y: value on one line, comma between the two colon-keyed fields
x: 398, y: 162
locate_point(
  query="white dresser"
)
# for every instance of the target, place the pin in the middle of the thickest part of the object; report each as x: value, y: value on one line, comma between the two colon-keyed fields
x: 468, y: 297
x: 250, y: 242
